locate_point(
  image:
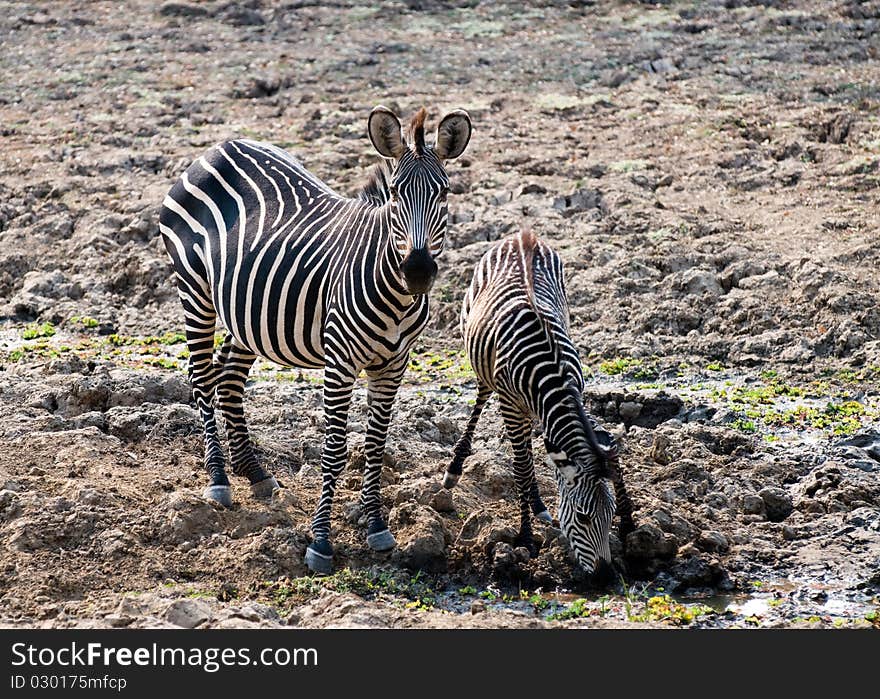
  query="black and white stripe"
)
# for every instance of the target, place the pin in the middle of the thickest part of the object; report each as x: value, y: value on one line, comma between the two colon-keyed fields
x: 302, y: 276
x: 514, y: 321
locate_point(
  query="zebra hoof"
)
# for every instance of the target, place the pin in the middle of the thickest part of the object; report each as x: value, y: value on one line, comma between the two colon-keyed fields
x: 381, y: 541
x: 320, y: 563
x: 544, y: 516
x: 221, y: 494
x: 450, y: 479
x: 263, y: 489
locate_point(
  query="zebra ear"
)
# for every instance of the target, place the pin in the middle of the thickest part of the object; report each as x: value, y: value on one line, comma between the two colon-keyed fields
x: 453, y: 134
x: 385, y: 132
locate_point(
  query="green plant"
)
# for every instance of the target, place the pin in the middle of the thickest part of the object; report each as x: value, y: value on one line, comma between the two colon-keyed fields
x: 620, y: 365
x: 576, y: 610
x: 664, y: 608
x: 32, y: 332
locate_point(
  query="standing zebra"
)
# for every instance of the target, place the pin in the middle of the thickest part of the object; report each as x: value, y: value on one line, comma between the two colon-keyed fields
x: 304, y: 277
x: 514, y: 321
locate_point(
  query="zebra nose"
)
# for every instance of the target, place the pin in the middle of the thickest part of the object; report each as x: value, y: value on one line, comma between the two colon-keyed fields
x: 419, y: 271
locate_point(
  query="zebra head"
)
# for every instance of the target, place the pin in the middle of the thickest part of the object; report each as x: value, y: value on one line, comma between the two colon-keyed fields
x: 418, y: 187
x: 586, y: 499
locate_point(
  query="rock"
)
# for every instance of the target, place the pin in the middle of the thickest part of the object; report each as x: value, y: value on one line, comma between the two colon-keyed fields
x: 442, y: 501
x: 777, y: 502
x: 693, y: 571
x: 753, y: 505
x: 648, y: 542
x: 660, y: 449
x: 186, y: 516
x: 188, y: 613
x: 770, y: 278
x: 866, y: 441
x: 254, y: 611
x: 503, y: 557
x: 182, y: 9
x: 478, y: 606
x: 789, y: 533
x: 9, y: 505
x: 475, y: 527
x: 699, y: 282
x: 421, y: 536
x: 117, y: 621
x: 581, y: 201
x: 533, y: 188
x: 712, y: 541
x: 629, y: 411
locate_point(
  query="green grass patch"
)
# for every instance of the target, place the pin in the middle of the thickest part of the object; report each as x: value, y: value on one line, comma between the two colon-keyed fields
x: 33, y: 331
x: 664, y: 608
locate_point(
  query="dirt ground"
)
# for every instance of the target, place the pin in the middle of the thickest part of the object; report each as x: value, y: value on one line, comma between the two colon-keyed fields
x: 709, y: 173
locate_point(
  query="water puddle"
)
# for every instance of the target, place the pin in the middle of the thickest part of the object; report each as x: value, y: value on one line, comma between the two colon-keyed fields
x: 776, y: 604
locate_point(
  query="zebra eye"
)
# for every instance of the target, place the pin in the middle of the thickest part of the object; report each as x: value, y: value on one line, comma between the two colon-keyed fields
x: 393, y: 191
x: 443, y: 193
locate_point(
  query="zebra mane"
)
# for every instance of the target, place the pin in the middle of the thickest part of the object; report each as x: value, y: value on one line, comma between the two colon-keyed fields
x: 416, y: 132
x: 607, y: 455
x: 550, y: 321
x: 376, y: 189
x: 548, y: 316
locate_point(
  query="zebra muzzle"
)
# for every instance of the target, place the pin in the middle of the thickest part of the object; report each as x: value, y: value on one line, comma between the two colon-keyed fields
x: 419, y: 271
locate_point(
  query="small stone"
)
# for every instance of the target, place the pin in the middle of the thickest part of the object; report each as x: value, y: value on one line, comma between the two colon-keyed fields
x: 753, y: 505
x: 442, y: 501
x: 688, y: 550
x: 522, y: 554
x: 629, y: 410
x: 188, y: 613
x: 712, y: 541
x: 659, y: 449
x: 117, y: 620
x: 533, y: 188
x: 649, y: 542
x: 478, y: 606
x: 182, y: 9
x: 789, y: 533
x: 777, y: 503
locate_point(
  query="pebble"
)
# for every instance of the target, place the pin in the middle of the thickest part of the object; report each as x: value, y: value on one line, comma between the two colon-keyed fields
x: 629, y: 410
x: 712, y: 541
x: 753, y: 505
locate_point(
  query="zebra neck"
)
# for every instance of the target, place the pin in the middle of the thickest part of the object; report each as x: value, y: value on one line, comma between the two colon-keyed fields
x: 561, y: 421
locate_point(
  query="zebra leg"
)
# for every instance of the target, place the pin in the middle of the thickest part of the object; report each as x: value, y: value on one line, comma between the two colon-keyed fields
x: 200, y: 322
x: 237, y: 362
x: 539, y: 509
x: 381, y: 391
x: 518, y: 427
x: 624, y: 504
x: 338, y: 385
x: 462, y: 449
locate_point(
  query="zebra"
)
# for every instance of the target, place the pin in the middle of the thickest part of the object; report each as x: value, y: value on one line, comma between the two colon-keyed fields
x: 305, y: 277
x: 515, y: 325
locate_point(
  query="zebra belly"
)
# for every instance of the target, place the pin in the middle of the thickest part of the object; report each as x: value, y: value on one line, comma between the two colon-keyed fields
x: 275, y: 306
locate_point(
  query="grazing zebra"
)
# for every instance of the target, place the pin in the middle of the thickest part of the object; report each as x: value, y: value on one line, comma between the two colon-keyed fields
x: 305, y: 277
x: 514, y: 321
